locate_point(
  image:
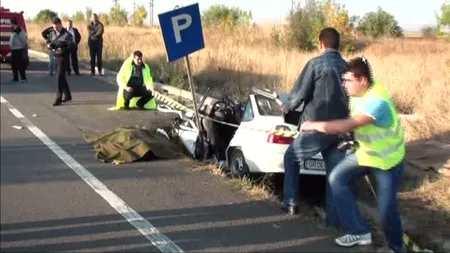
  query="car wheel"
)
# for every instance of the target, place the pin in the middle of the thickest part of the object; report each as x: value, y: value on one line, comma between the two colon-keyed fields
x: 238, y: 166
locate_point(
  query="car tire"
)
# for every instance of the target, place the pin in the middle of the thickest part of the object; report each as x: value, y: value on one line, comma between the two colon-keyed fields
x: 238, y: 166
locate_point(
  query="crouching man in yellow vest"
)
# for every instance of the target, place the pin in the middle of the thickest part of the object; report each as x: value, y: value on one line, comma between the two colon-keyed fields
x: 135, y: 79
x: 380, y: 150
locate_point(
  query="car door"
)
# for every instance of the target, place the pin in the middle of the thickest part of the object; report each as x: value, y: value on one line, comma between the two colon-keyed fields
x: 256, y: 132
x: 241, y: 135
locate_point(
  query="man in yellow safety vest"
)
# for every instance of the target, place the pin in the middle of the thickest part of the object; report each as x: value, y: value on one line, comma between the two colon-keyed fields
x: 135, y: 79
x: 379, y: 150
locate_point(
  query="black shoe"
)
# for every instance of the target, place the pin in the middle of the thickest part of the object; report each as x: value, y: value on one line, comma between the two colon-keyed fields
x: 126, y: 107
x: 14, y: 81
x: 69, y: 73
x: 78, y: 74
x: 57, y: 102
x: 291, y: 210
x: 66, y: 99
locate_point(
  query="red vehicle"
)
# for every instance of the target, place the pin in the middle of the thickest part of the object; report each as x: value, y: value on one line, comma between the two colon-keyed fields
x: 5, y: 31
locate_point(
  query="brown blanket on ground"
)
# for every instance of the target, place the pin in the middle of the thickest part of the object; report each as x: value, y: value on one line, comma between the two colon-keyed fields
x: 127, y: 145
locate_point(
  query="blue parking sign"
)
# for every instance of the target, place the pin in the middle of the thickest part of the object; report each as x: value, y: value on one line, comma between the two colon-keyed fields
x: 182, y: 31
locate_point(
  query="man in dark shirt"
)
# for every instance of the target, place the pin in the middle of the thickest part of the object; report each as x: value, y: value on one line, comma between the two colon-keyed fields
x: 95, y: 42
x: 61, y: 41
x: 319, y: 88
x: 135, y: 79
x: 74, y: 51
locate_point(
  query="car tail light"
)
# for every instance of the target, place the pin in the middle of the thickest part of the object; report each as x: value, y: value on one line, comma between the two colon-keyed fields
x: 279, y: 139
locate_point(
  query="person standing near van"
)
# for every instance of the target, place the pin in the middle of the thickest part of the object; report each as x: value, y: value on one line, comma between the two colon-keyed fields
x: 95, y: 42
x: 18, y: 44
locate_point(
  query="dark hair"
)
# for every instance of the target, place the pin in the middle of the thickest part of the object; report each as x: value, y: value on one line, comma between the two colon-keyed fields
x: 330, y: 38
x: 56, y: 21
x: 137, y: 53
x: 14, y: 21
x: 360, y: 67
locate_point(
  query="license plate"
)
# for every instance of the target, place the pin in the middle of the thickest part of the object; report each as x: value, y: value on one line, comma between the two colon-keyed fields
x: 314, y: 165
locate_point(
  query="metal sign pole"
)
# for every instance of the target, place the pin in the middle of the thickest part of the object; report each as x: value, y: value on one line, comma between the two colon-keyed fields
x: 197, y: 117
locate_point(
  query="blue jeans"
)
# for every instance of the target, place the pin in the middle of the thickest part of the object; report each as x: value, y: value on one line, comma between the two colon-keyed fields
x: 387, y: 181
x: 51, y: 64
x: 304, y: 147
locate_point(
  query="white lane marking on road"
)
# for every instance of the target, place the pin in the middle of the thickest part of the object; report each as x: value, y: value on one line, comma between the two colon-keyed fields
x: 158, y: 239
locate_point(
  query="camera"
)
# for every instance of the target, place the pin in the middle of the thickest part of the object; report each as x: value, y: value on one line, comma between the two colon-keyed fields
x: 348, y: 142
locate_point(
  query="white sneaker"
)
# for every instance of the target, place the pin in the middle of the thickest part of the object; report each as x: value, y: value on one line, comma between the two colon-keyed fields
x: 351, y: 240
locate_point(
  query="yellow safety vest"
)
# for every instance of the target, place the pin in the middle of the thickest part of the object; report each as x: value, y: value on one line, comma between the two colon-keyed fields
x: 381, y: 148
x: 127, y: 70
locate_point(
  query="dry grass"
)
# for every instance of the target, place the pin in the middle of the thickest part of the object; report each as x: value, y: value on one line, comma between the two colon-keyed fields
x: 429, y: 208
x: 416, y: 72
x: 258, y: 191
x: 436, y: 194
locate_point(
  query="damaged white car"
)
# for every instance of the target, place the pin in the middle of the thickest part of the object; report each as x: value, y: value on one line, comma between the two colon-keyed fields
x: 238, y: 135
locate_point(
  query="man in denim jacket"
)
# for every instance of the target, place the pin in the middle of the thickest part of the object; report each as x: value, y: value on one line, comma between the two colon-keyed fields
x: 319, y: 89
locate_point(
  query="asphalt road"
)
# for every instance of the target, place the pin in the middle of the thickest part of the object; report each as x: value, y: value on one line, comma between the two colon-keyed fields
x: 47, y: 206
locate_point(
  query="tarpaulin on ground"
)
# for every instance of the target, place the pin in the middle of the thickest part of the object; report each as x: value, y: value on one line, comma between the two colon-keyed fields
x: 127, y: 145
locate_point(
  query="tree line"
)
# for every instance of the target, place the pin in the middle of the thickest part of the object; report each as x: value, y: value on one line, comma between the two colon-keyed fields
x: 302, y: 27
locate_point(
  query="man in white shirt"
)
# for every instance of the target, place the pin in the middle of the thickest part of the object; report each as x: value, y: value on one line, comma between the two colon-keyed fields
x: 74, y: 52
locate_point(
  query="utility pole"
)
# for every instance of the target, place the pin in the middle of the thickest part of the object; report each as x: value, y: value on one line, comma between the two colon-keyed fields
x: 115, y: 2
x: 151, y: 11
x: 134, y: 6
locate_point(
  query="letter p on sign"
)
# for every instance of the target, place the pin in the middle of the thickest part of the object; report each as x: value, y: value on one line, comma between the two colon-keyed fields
x: 177, y: 27
x: 182, y: 31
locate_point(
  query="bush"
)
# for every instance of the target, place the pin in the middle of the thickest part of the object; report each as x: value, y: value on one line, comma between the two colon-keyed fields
x: 429, y: 31
x: 45, y: 16
x: 231, y: 17
x: 305, y: 24
x: 379, y: 24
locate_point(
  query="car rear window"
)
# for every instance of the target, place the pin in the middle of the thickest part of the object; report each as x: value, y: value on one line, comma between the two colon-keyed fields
x: 267, y: 106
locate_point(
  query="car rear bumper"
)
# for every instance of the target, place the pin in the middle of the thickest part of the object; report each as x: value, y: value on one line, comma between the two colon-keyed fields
x: 272, y: 161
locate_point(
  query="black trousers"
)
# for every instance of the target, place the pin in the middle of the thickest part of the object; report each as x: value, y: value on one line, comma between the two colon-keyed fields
x: 74, y: 59
x: 142, y: 92
x: 18, y: 64
x: 96, y: 51
x: 62, y: 84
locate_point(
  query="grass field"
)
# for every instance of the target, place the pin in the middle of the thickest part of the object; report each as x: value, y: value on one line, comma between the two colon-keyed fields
x: 416, y: 72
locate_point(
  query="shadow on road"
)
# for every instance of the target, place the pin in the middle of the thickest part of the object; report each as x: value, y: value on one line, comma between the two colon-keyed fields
x: 246, y: 226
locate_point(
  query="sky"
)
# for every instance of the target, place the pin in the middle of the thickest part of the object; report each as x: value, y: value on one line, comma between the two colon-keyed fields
x: 411, y: 14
